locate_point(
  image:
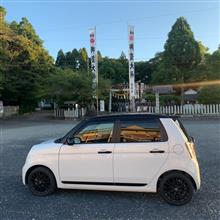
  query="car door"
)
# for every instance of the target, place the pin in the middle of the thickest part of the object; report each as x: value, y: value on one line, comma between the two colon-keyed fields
x: 91, y: 160
x: 142, y: 151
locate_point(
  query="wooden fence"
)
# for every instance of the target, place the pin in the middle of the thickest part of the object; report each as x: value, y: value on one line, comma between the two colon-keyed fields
x: 197, y: 109
x: 69, y: 113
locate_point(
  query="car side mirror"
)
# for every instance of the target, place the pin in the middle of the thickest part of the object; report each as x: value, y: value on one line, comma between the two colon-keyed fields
x: 72, y: 141
x: 77, y: 140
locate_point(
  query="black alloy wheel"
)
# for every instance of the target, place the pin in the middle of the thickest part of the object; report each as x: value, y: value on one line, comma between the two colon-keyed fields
x: 41, y: 181
x: 176, y: 188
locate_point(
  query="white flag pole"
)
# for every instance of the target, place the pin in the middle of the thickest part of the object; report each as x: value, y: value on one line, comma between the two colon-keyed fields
x: 131, y: 67
x: 97, y: 79
x: 94, y: 65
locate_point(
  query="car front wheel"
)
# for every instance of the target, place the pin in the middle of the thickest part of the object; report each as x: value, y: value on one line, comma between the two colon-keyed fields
x: 41, y: 182
x: 176, y: 188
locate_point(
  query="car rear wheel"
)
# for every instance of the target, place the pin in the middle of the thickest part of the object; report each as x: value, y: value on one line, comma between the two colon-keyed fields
x: 41, y: 182
x: 176, y: 188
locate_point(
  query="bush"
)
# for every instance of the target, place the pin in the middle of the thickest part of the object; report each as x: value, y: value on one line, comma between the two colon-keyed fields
x: 149, y: 97
x: 170, y: 100
x: 209, y: 95
x: 164, y: 99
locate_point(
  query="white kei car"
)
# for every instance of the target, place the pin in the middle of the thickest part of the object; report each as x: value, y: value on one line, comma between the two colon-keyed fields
x: 125, y: 152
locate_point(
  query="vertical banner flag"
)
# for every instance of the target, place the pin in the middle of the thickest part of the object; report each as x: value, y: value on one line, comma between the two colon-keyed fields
x: 94, y: 67
x: 131, y: 66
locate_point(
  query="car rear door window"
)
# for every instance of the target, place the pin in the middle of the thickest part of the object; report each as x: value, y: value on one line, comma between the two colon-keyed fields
x: 140, y: 131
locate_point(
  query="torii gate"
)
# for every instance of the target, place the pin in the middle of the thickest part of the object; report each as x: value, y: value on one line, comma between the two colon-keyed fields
x: 157, y: 90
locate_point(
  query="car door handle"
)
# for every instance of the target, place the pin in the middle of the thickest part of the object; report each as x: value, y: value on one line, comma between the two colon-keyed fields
x: 105, y: 152
x: 157, y: 151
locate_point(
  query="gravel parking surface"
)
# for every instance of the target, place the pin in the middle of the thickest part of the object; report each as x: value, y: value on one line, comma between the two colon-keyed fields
x: 16, y: 202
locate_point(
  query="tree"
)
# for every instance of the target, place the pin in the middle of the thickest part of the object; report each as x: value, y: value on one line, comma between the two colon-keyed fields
x: 4, y: 37
x: 106, y: 69
x: 157, y: 74
x: 60, y: 61
x: 113, y: 70
x: 209, y: 95
x: 124, y: 61
x: 26, y: 29
x: 99, y: 55
x: 164, y: 73
x: 181, y: 49
x: 182, y: 54
x: 208, y: 69
x: 83, y: 59
x: 122, y: 56
x: 203, y: 51
x: 24, y: 64
x: 67, y: 85
x: 213, y: 65
x: 74, y: 59
x: 104, y: 87
x: 143, y: 71
x: 2, y: 14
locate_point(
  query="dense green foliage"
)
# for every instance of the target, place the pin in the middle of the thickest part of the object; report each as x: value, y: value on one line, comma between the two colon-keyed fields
x: 181, y: 54
x: 209, y: 95
x: 24, y: 64
x: 75, y: 60
x: 164, y: 99
x: 66, y: 85
x: 28, y: 73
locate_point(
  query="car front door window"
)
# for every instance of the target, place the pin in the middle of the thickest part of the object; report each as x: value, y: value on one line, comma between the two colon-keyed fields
x: 96, y: 133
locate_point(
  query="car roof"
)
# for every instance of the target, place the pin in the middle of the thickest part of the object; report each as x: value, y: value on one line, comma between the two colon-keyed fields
x: 127, y: 116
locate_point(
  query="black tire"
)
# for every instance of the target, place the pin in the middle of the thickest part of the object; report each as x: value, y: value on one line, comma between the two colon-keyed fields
x: 176, y: 188
x: 41, y: 182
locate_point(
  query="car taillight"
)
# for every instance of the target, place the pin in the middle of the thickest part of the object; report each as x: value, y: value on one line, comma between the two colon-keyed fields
x: 190, y: 148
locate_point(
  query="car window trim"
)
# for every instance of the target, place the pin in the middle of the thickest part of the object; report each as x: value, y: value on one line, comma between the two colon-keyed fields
x: 73, y: 130
x: 117, y: 130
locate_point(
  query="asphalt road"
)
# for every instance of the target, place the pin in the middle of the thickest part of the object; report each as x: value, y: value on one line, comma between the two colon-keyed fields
x: 16, y: 202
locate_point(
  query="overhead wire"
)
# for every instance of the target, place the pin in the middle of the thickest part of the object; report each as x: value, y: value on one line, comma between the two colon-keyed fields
x: 127, y: 20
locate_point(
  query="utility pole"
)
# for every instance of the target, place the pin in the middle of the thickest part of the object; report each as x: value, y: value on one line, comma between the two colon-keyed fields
x: 157, y: 96
x: 110, y: 101
x: 182, y: 91
x: 97, y: 83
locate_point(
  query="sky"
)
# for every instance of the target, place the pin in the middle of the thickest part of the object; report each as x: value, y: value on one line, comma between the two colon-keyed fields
x: 64, y: 24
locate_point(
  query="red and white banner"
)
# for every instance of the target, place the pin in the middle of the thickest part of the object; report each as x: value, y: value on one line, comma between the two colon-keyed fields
x: 94, y: 64
x: 131, y: 63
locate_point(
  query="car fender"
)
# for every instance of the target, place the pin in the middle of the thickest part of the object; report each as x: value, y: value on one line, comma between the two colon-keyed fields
x: 40, y: 161
x: 191, y: 172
